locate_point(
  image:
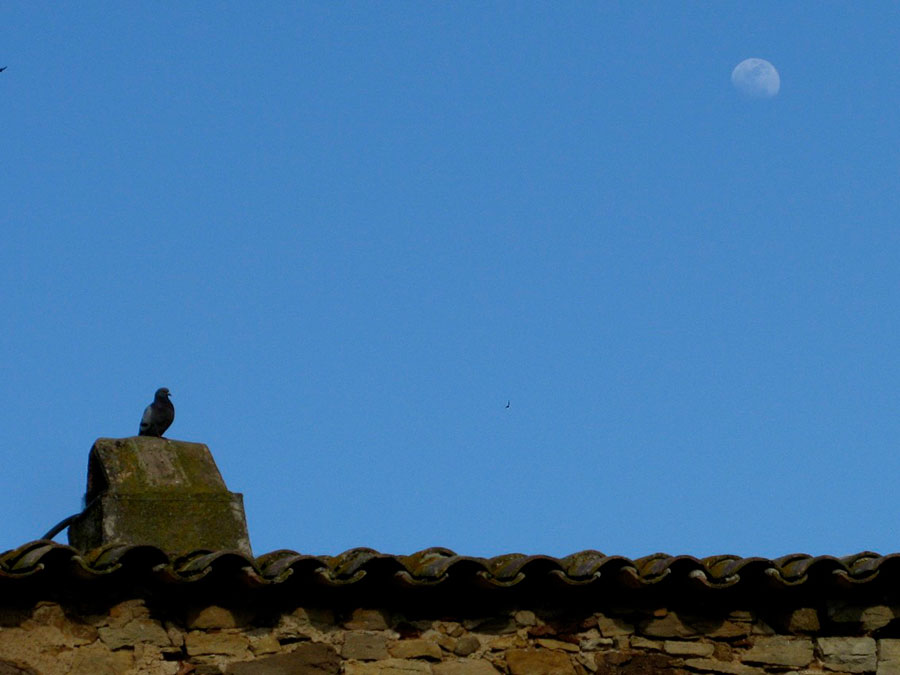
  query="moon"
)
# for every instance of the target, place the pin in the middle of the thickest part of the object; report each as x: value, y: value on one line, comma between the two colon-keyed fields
x: 756, y: 78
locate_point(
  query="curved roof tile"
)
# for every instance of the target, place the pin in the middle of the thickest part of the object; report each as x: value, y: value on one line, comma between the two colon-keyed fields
x: 434, y: 567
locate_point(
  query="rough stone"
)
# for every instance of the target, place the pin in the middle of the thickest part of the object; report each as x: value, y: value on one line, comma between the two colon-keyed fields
x: 667, y: 626
x: 612, y: 627
x: 30, y: 648
x: 877, y: 617
x: 175, y: 633
x: 52, y: 620
x: 364, y: 646
x: 587, y: 661
x: 464, y: 668
x: 443, y: 641
x: 416, y: 649
x: 367, y: 619
x: 13, y: 617
x: 495, y: 625
x: 124, y: 612
x: 99, y: 661
x: 505, y: 642
x: 387, y: 667
x: 468, y: 644
x: 452, y: 628
x: 848, y: 654
x: 723, y: 651
x: 889, y: 649
x: 525, y: 617
x: 762, y: 628
x: 717, y: 666
x: 725, y: 629
x: 82, y: 633
x: 637, y: 663
x: 138, y: 630
x: 47, y: 614
x: 639, y: 642
x: 591, y: 640
x: 51, y: 639
x: 298, y: 625
x: 290, y: 630
x: 888, y: 657
x: 213, y: 616
x: 10, y: 668
x: 308, y: 659
x: 688, y: 648
x: 538, y: 662
x: 556, y: 644
x: 870, y: 618
x: 200, y: 668
x: 149, y: 660
x: 780, y: 651
x: 803, y: 620
x: 262, y: 642
x: 227, y: 643
x: 318, y: 616
x: 543, y: 630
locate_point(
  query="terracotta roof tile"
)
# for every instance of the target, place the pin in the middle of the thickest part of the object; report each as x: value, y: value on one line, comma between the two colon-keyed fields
x: 435, y: 567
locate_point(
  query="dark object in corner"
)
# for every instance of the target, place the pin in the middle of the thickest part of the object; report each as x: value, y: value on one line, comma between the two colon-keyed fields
x: 3, y: 68
x: 158, y: 492
x: 158, y: 415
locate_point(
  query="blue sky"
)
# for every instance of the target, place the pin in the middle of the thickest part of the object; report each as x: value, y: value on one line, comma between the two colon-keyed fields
x: 346, y: 234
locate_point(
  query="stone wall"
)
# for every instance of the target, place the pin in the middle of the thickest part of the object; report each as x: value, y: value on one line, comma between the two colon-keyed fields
x: 133, y: 636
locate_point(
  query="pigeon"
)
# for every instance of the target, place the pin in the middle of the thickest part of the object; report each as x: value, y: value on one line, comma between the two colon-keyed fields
x: 158, y: 415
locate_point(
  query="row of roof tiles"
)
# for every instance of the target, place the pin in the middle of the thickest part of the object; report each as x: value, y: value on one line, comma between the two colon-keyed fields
x: 436, y: 566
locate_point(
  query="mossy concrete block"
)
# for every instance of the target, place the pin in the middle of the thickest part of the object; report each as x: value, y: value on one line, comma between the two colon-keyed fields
x: 156, y: 491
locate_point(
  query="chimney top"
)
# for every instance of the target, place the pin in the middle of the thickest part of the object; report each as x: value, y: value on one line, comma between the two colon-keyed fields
x: 160, y: 492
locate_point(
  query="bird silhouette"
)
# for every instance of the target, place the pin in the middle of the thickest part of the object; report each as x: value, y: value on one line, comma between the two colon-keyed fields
x: 507, y: 404
x: 3, y: 68
x: 158, y: 415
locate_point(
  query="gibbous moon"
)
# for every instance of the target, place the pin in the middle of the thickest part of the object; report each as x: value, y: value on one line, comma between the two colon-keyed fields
x: 756, y: 78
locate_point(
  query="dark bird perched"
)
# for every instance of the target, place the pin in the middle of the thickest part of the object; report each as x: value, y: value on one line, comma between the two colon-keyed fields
x: 158, y: 415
